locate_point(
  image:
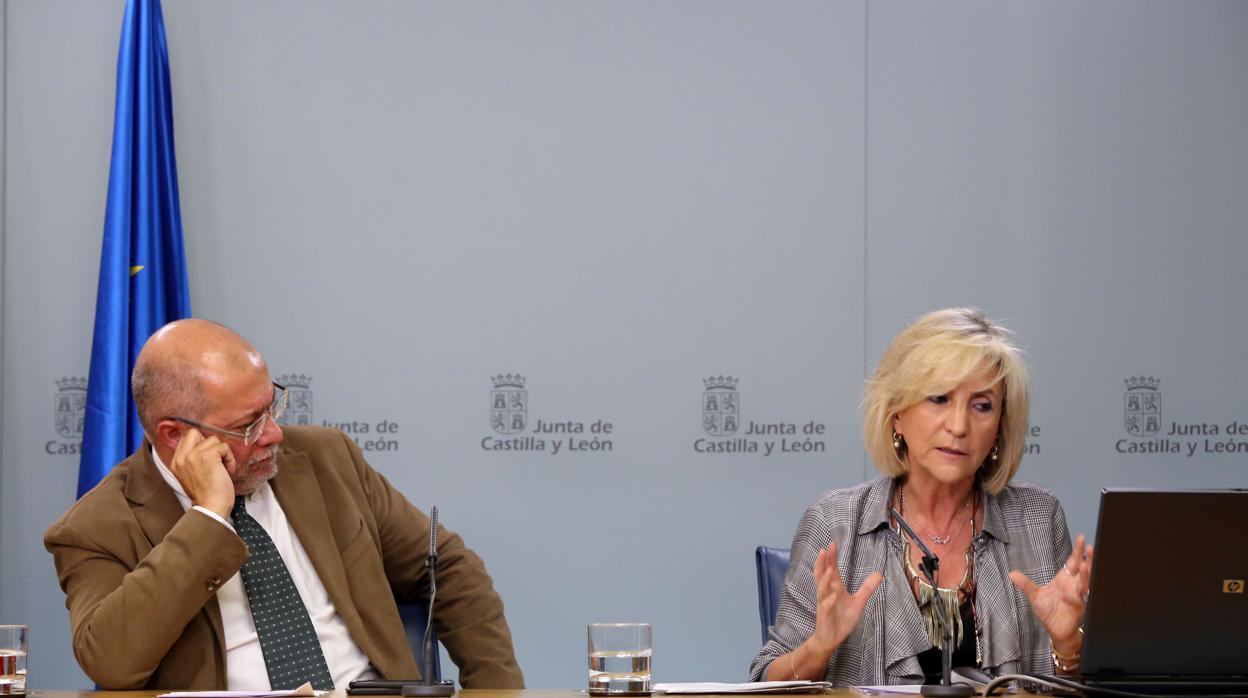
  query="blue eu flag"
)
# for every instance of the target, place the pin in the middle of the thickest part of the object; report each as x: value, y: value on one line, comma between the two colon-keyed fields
x: 142, y: 265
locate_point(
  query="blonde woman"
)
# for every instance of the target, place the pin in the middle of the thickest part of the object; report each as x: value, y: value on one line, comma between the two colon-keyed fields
x: 945, y: 423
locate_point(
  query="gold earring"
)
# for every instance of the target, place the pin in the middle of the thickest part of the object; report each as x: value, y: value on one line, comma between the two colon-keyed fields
x: 995, y: 453
x: 897, y: 441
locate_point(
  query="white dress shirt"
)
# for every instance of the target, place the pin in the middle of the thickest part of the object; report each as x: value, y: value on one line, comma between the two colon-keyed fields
x: 244, y: 660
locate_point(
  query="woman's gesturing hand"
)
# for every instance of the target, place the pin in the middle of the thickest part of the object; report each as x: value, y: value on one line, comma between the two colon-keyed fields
x: 1060, y: 604
x: 836, y: 610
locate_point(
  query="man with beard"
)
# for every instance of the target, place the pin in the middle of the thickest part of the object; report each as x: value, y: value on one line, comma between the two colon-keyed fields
x: 231, y: 552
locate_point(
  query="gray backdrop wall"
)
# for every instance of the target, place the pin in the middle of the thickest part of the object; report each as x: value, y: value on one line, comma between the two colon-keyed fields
x: 398, y: 202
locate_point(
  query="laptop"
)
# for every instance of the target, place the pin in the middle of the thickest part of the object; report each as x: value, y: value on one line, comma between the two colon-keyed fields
x: 1168, y: 607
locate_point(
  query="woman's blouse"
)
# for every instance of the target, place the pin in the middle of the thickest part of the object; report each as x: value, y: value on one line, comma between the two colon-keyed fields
x: 1024, y: 529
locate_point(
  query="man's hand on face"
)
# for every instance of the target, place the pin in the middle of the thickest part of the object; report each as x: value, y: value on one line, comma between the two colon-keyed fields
x: 205, y: 466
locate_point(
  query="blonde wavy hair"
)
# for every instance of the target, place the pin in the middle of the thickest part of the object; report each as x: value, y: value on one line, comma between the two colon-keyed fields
x: 932, y: 356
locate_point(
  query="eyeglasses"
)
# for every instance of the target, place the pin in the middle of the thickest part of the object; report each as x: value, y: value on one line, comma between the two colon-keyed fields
x: 252, y: 433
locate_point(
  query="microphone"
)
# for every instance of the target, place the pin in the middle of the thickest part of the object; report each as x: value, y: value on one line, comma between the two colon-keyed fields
x: 929, y: 566
x: 427, y: 686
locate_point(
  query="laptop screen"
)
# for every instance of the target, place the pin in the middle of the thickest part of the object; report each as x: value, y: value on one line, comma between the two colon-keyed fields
x: 1167, y: 595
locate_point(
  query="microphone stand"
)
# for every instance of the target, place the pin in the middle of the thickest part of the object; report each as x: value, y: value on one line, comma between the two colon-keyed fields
x: 929, y: 566
x: 428, y: 688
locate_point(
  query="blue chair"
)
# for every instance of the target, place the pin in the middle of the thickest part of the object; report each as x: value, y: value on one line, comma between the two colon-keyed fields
x: 415, y: 617
x: 772, y: 564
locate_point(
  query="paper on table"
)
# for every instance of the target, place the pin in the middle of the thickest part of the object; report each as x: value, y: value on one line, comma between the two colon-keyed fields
x: 304, y: 691
x: 911, y: 689
x: 755, y: 687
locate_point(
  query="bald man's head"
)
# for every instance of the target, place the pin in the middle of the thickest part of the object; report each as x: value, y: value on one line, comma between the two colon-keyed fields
x: 182, y: 363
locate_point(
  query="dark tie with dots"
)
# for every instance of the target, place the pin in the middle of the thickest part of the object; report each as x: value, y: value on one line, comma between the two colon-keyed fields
x: 292, y: 653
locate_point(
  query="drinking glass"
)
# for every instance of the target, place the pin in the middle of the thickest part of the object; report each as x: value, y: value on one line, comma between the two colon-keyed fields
x: 619, y: 658
x: 13, y: 639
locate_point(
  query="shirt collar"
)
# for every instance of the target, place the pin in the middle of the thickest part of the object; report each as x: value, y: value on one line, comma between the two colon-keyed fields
x: 170, y: 480
x: 994, y: 522
x: 876, y: 510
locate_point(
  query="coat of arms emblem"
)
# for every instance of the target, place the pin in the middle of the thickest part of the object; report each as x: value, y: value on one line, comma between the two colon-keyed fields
x: 509, y: 404
x: 721, y: 406
x: 299, y: 404
x: 1141, y: 412
x: 70, y: 407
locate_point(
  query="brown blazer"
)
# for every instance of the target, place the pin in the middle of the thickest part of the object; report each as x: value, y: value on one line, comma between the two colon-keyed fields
x: 140, y: 575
